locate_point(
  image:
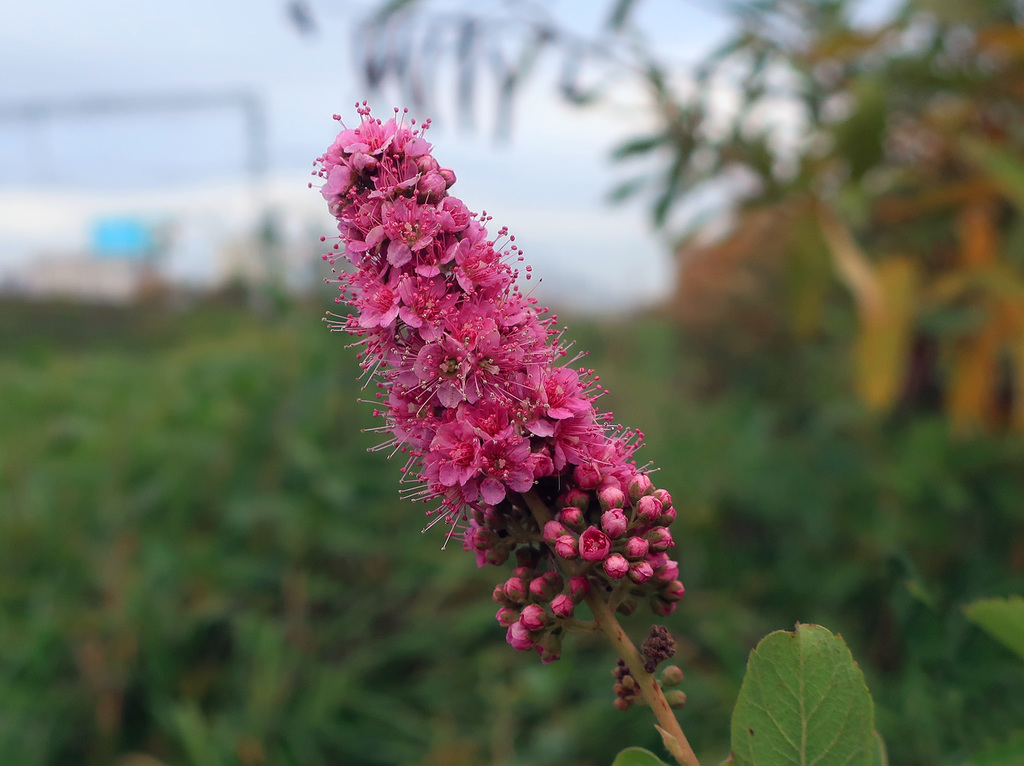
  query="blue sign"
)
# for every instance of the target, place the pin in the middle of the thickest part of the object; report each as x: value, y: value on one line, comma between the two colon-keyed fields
x: 122, y: 238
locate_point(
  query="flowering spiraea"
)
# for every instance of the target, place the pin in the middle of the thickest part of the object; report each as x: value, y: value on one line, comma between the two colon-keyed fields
x: 501, y: 433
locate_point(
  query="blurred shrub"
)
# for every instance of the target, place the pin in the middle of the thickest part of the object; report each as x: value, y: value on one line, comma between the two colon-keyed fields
x: 202, y: 564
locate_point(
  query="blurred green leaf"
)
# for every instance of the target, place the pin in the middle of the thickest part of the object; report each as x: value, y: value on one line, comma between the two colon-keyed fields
x: 1001, y: 618
x: 637, y: 756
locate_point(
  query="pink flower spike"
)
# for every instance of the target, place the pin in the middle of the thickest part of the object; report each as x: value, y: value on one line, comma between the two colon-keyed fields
x: 616, y: 566
x: 594, y: 544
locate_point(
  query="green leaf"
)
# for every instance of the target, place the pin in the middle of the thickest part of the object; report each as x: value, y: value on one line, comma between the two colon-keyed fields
x: 879, y: 755
x: 804, y: 701
x: 637, y: 756
x: 1001, y: 618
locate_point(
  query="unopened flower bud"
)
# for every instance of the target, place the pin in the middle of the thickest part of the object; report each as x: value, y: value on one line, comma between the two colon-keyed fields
x: 550, y: 646
x: 482, y: 538
x: 640, y: 572
x: 515, y: 590
x: 668, y: 515
x: 497, y: 556
x: 523, y: 572
x: 611, y: 497
x: 660, y: 539
x: 661, y: 607
x: 639, y: 486
x: 636, y: 549
x: 562, y: 606
x: 545, y: 586
x: 506, y: 616
x: 577, y: 498
x: 533, y: 617
x: 664, y: 497
x: 671, y: 676
x: 518, y: 637
x: 587, y: 477
x: 614, y: 523
x: 553, y: 530
x: 430, y: 188
x: 649, y: 508
x: 447, y: 175
x: 616, y: 566
x: 667, y: 572
x: 594, y: 544
x: 572, y: 518
x: 673, y: 591
x: 579, y: 587
x: 676, y: 699
x: 499, y: 595
x: 566, y: 547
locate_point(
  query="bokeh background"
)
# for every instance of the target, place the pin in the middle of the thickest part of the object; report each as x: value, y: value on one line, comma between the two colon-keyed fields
x: 789, y: 231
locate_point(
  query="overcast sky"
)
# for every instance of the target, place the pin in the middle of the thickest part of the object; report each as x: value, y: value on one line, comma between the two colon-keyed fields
x: 547, y: 183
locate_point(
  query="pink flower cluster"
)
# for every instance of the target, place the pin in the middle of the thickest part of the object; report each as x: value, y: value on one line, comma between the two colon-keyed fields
x: 470, y: 390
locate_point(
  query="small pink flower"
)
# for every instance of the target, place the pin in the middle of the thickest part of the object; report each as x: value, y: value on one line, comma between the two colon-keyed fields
x: 636, y: 549
x: 566, y: 547
x: 533, y: 617
x: 562, y: 606
x: 594, y: 544
x: 518, y: 637
x: 616, y: 566
x: 614, y: 523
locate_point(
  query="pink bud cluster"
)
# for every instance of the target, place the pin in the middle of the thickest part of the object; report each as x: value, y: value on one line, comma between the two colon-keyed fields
x: 615, y: 536
x: 469, y: 389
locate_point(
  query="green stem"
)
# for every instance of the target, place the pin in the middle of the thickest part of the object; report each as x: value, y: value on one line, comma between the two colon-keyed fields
x: 609, y: 625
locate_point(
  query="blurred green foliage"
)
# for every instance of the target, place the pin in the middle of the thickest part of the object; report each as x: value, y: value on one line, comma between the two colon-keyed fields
x: 201, y: 563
